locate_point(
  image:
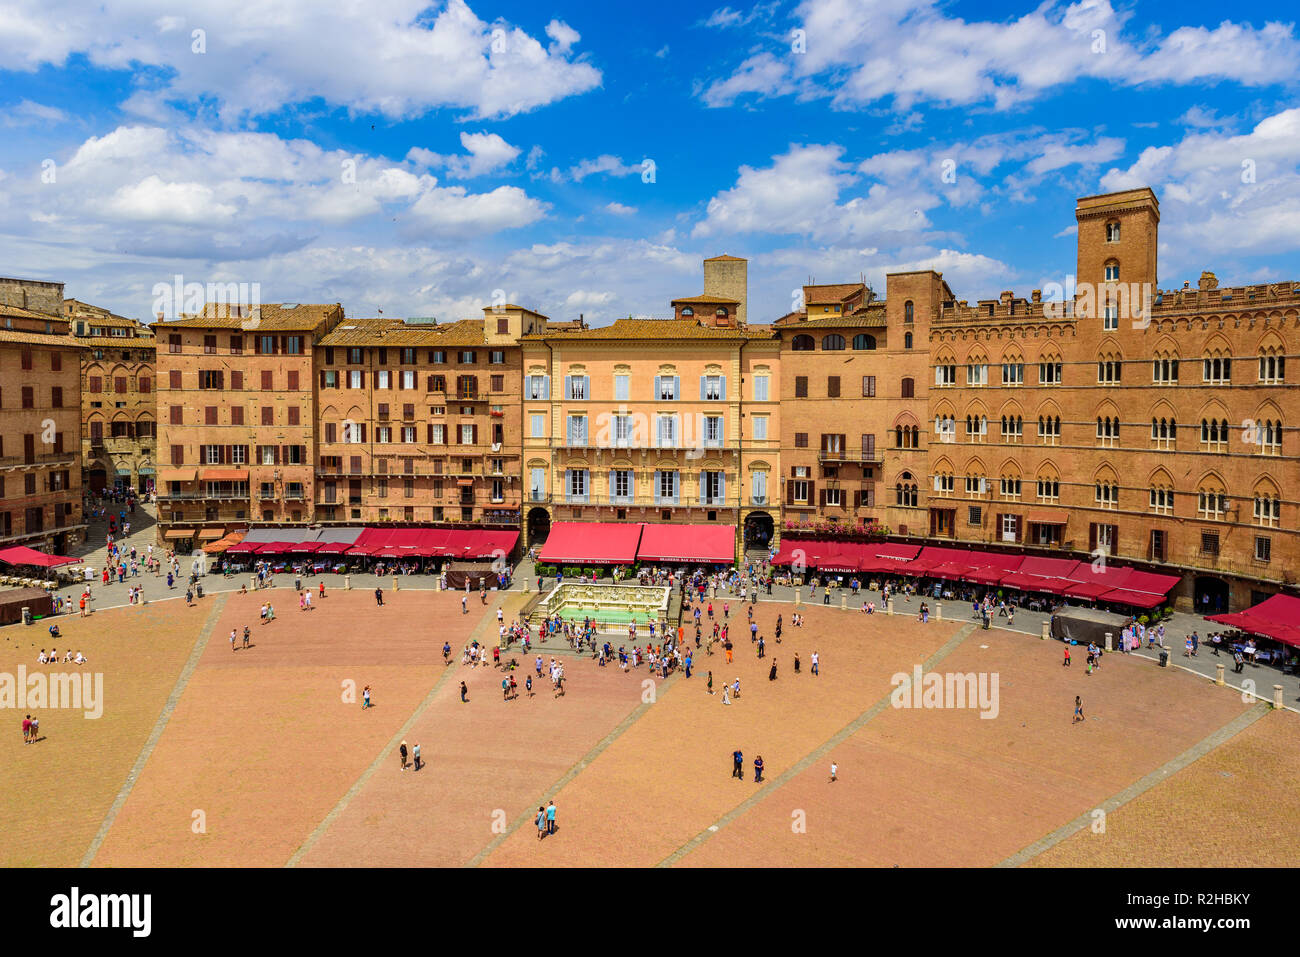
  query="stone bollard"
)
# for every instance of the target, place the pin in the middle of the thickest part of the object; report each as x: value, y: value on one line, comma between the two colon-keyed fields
x: 797, y: 599
x: 1047, y: 630
x: 438, y: 586
x: 1277, y: 697
x: 252, y: 583
x: 889, y: 606
x: 938, y: 611
x: 347, y: 583
x: 1110, y: 641
x: 844, y: 601
x: 1218, y: 675
x: 525, y: 582
x: 394, y: 583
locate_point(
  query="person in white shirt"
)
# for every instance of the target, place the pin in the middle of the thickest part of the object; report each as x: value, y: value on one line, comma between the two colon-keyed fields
x: 80, y: 659
x: 42, y: 658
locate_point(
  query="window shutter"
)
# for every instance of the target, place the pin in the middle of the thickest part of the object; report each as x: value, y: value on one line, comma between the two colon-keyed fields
x: 722, y: 487
x: 546, y: 387
x: 812, y: 488
x: 724, y: 388
x: 871, y: 498
x: 857, y: 498
x: 473, y: 433
x: 586, y: 386
x: 936, y: 483
x: 1092, y: 536
x: 656, y: 396
x: 821, y: 498
x: 789, y: 492
x: 568, y: 387
x: 677, y: 387
x: 704, y: 476
x: 1114, y: 539
x: 657, y: 486
x: 703, y: 379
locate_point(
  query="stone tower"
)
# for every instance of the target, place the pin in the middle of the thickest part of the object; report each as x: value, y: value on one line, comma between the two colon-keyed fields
x: 728, y: 276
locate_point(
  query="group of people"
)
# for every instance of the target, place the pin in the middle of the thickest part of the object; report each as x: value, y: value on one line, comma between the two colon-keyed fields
x: 68, y: 657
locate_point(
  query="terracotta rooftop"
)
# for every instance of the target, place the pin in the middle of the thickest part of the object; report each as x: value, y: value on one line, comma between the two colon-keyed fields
x: 632, y: 329
x: 118, y: 342
x: 40, y: 338
x: 724, y: 259
x: 703, y: 298
x: 271, y: 317
x: 396, y: 333
x: 835, y: 292
x: 18, y: 312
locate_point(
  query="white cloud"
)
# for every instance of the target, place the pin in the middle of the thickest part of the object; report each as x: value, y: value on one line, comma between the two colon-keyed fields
x: 28, y: 113
x: 618, y: 209
x: 603, y: 165
x: 284, y: 52
x: 1224, y: 194
x: 484, y: 153
x: 726, y: 17
x: 914, y: 52
x: 200, y: 192
x: 562, y: 35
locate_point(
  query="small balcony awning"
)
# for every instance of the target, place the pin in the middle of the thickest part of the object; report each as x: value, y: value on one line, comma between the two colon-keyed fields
x: 177, y: 475
x: 225, y: 475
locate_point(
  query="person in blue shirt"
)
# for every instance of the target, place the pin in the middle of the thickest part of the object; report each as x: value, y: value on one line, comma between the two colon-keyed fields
x: 758, y: 769
x: 738, y: 765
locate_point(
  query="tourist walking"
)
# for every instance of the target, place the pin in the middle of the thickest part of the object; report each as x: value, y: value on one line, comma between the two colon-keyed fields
x: 401, y: 750
x: 1078, y: 710
x: 737, y: 765
x: 758, y: 769
x: 415, y: 754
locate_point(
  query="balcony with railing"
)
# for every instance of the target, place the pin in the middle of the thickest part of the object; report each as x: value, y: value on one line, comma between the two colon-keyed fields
x: 572, y: 498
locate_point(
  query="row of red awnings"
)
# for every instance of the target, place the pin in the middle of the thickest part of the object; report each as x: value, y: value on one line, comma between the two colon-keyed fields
x: 1057, y: 576
x: 397, y: 543
x: 622, y: 543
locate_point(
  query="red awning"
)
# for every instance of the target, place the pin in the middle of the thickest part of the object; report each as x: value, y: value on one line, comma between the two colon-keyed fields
x: 711, y: 544
x: 1048, y: 567
x: 899, y: 550
x: 1048, y: 517
x: 987, y: 576
x: 304, y: 548
x: 22, y: 555
x: 332, y: 548
x: 951, y: 571
x: 600, y: 543
x: 224, y: 475
x: 1034, y: 583
x: 1150, y: 582
x: 1139, y: 599
x: 1085, y: 590
x: 1277, y: 617
x: 245, y: 548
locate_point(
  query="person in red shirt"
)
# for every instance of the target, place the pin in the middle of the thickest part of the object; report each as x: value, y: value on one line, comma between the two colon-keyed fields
x: 27, y: 730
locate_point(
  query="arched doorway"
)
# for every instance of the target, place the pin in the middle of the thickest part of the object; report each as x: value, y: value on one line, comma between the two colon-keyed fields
x: 1211, y: 595
x: 539, y: 525
x: 759, y: 529
x: 98, y: 479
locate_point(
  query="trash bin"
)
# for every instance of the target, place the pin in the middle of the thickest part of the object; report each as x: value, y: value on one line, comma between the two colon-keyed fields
x: 27, y: 615
x: 1164, y: 658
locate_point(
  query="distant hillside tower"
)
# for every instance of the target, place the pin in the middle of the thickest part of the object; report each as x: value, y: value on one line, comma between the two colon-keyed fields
x: 728, y: 277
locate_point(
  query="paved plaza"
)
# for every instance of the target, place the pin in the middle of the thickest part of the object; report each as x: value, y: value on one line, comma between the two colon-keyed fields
x: 264, y: 756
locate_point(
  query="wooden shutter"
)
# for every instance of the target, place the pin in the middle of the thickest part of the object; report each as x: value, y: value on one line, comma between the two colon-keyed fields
x: 857, y: 498
x: 812, y: 489
x: 821, y: 498
x: 789, y: 491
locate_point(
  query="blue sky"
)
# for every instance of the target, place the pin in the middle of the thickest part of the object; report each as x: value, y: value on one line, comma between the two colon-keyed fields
x: 424, y: 159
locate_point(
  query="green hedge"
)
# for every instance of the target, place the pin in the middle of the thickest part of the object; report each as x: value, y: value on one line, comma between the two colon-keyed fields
x: 545, y: 571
